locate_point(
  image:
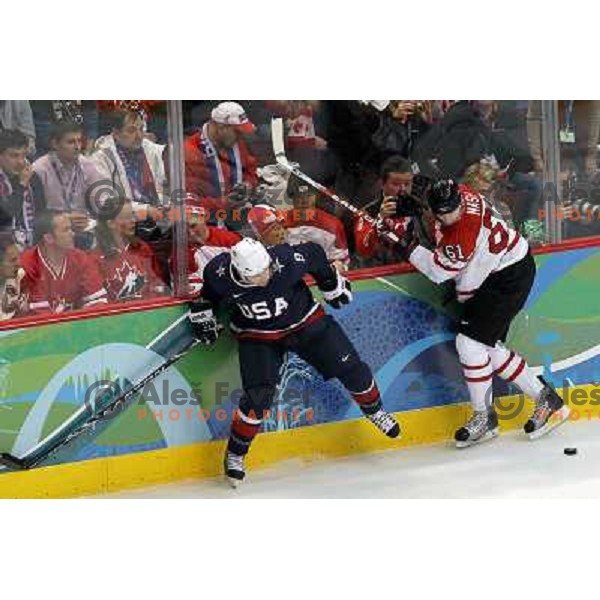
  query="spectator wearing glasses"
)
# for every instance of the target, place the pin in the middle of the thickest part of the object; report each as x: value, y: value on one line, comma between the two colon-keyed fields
x: 133, y: 164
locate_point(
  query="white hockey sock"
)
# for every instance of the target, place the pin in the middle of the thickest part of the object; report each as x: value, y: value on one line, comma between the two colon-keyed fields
x: 478, y: 370
x: 514, y: 369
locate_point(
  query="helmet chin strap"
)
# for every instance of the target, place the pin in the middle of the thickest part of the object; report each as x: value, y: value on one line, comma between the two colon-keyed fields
x: 238, y: 277
x: 241, y: 280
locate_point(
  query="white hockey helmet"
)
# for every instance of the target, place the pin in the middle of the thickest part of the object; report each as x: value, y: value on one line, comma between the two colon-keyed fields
x: 250, y: 258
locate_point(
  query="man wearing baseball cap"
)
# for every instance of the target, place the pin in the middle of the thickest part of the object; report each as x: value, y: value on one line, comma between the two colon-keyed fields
x: 232, y: 114
x: 217, y: 159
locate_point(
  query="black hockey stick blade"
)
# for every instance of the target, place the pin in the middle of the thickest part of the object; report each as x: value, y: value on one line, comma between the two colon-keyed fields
x: 12, y: 462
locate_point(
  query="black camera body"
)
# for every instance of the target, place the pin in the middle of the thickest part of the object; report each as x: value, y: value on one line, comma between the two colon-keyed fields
x: 407, y: 206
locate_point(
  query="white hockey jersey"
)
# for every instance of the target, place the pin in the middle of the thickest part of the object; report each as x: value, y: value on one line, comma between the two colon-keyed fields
x: 321, y: 227
x: 478, y: 244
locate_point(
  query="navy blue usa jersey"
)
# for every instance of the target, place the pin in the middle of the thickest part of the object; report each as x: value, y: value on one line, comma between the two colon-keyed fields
x: 284, y: 305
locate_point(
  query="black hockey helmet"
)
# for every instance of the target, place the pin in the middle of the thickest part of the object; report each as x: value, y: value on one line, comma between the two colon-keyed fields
x: 443, y: 197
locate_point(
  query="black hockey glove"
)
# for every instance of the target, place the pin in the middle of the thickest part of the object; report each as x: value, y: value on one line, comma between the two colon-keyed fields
x: 342, y: 294
x: 204, y: 324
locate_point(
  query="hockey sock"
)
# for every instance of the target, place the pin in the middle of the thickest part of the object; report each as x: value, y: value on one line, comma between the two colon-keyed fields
x: 360, y: 378
x: 477, y: 368
x: 243, y: 430
x: 514, y: 369
x: 247, y: 421
x: 368, y: 400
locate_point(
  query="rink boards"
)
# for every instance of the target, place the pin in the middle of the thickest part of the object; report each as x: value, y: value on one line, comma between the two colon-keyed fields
x: 177, y: 428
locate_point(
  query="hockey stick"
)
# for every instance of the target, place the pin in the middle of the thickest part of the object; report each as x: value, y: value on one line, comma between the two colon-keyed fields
x: 112, y: 408
x: 281, y: 158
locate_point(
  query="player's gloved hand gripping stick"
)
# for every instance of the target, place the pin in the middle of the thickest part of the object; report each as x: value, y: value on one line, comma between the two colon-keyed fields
x: 204, y: 323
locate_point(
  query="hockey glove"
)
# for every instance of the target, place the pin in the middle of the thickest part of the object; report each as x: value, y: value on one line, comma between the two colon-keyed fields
x: 204, y: 324
x: 389, y: 229
x: 342, y: 294
x: 408, y: 242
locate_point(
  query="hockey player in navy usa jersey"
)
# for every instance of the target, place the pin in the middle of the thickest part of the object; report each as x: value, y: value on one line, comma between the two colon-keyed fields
x: 272, y: 312
x: 494, y: 271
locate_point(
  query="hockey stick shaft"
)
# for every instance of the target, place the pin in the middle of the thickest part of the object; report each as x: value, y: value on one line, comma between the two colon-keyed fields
x: 281, y: 158
x: 50, y: 447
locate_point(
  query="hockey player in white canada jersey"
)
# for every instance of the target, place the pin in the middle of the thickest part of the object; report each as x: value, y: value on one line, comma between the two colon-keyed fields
x: 494, y: 271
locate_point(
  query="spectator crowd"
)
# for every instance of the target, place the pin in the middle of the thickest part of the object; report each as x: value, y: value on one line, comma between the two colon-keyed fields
x: 85, y: 194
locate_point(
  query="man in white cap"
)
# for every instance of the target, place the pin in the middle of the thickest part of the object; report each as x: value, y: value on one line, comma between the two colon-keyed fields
x: 217, y: 160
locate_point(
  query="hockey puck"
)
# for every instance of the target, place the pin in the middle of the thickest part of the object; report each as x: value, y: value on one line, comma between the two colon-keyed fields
x: 570, y: 451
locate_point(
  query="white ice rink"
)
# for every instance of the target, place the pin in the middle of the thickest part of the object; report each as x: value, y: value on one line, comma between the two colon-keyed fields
x: 508, y: 467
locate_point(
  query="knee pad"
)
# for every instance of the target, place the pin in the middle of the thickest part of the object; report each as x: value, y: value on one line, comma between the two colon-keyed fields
x: 470, y: 351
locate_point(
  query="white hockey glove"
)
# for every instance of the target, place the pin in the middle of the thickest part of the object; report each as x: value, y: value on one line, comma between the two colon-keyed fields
x: 203, y: 321
x: 342, y: 294
x: 408, y: 242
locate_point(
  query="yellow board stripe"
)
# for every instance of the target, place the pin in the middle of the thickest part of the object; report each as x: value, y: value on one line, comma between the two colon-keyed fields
x: 204, y: 459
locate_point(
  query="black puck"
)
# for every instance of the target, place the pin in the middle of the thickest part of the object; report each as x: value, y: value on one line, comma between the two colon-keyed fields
x: 570, y: 451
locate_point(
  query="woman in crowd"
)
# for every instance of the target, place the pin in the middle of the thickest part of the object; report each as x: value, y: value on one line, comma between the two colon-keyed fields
x: 128, y: 265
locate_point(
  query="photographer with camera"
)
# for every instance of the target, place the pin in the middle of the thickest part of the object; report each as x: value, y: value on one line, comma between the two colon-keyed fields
x: 395, y: 209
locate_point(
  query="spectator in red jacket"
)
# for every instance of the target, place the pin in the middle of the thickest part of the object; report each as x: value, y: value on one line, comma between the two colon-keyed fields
x: 272, y: 226
x: 58, y: 276
x: 307, y: 223
x: 217, y: 158
x: 204, y: 243
x: 128, y: 265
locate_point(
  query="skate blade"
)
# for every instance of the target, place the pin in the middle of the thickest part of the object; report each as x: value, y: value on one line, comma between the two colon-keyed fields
x: 557, y: 419
x: 233, y: 483
x: 488, y: 435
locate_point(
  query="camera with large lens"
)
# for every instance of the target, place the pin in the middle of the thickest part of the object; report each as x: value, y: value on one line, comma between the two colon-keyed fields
x: 407, y: 205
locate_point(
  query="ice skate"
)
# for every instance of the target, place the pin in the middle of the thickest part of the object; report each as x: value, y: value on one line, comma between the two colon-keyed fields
x: 550, y: 412
x: 234, y: 468
x: 482, y: 426
x: 385, y: 422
